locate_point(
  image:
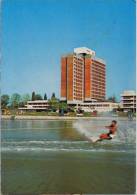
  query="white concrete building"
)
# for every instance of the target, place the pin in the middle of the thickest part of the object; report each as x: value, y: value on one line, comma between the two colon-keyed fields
x: 128, y: 100
x: 36, y: 105
x: 98, y: 106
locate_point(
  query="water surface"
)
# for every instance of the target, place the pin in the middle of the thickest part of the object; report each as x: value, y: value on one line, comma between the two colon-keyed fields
x: 40, y: 156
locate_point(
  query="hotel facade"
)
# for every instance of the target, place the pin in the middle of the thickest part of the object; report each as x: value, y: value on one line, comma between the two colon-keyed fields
x: 83, y: 77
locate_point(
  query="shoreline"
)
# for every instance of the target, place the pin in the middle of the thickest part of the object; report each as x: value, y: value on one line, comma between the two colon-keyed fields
x: 27, y: 117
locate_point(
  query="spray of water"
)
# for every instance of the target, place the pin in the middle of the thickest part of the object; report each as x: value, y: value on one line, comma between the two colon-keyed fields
x: 81, y: 128
x: 95, y: 127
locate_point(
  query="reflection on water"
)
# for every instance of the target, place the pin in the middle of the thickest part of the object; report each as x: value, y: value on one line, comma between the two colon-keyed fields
x: 56, y: 157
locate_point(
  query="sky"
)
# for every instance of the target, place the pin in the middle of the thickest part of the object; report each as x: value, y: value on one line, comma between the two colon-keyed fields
x: 36, y: 33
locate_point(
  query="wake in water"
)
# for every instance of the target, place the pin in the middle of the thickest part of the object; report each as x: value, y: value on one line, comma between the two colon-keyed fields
x: 59, y: 146
x: 66, y: 139
x: 93, y: 128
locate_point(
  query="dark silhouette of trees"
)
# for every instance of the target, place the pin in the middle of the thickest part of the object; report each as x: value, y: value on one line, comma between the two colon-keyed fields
x: 33, y: 96
x: 45, y: 96
x: 4, y: 100
x: 38, y: 97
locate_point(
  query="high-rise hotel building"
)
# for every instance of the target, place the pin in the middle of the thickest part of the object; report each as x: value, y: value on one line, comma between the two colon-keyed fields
x: 83, y: 77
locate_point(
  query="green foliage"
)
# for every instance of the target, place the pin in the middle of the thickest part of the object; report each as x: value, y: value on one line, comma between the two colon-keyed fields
x: 38, y: 97
x: 4, y: 100
x: 119, y: 109
x: 26, y: 97
x: 87, y: 114
x: 45, y: 96
x: 63, y: 105
x: 72, y: 114
x: 122, y: 114
x: 21, y: 104
x: 33, y: 96
x: 112, y: 99
x: 34, y: 113
x: 53, y: 96
x: 15, y: 100
x: 54, y: 103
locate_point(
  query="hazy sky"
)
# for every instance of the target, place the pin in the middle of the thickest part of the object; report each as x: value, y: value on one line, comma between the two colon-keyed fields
x: 35, y: 33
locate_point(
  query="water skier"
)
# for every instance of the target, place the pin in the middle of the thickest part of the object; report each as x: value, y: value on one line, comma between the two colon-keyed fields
x: 112, y: 130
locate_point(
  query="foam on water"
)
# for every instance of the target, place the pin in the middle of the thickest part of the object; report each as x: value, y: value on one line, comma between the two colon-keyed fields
x: 56, y: 149
x: 42, y: 142
x: 124, y: 140
x: 125, y: 132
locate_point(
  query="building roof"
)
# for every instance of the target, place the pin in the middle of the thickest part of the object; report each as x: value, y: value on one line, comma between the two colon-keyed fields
x: 38, y: 101
x: 99, y: 60
x: 84, y: 50
x: 128, y: 93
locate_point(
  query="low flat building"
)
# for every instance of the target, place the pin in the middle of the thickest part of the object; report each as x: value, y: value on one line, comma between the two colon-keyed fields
x: 36, y: 105
x: 98, y: 106
x: 128, y: 100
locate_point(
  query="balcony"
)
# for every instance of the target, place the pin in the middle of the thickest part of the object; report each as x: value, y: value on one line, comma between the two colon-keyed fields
x: 128, y: 102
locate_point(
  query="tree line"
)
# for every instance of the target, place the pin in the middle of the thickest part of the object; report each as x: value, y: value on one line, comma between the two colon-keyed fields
x: 16, y: 100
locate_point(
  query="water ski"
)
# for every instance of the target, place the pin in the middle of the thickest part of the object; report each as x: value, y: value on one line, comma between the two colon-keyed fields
x: 103, y: 136
x: 94, y: 139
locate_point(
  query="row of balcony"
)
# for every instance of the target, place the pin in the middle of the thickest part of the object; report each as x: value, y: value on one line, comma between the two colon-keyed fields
x: 129, y: 106
x: 77, y: 98
x: 128, y: 98
x: 98, y: 82
x: 96, y: 76
x: 77, y: 82
x: 98, y: 86
x: 78, y: 90
x: 78, y: 70
x: 128, y: 102
x: 78, y: 65
x: 79, y: 76
x: 97, y: 93
x: 97, y: 68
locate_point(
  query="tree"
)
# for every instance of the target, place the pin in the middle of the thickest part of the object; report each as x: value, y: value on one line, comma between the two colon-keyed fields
x: 45, y: 96
x: 54, y: 102
x: 24, y: 99
x: 63, y: 105
x: 53, y: 96
x: 38, y: 97
x: 33, y: 96
x: 15, y: 100
x: 112, y: 99
x: 4, y: 100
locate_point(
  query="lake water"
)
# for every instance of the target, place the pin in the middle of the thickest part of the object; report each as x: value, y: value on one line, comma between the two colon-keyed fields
x: 40, y: 156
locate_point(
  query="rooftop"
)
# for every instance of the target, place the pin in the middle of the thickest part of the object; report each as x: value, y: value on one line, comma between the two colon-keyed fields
x: 38, y: 101
x: 128, y: 93
x: 84, y: 50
